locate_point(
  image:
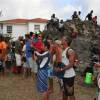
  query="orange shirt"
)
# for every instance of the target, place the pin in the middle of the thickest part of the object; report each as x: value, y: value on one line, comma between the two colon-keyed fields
x: 1, y: 46
x: 4, y: 45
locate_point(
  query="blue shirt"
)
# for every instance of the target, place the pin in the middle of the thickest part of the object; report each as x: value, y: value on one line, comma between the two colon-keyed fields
x: 28, y: 50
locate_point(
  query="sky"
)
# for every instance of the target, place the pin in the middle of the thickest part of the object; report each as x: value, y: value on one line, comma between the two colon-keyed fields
x: 63, y: 9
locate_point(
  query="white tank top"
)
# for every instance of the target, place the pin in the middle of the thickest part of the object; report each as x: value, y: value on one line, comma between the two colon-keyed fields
x: 69, y: 72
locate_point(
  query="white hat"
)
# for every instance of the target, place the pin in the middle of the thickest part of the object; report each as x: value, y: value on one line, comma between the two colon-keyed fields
x: 58, y: 42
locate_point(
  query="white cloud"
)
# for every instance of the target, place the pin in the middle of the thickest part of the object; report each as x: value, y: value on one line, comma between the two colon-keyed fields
x: 88, y: 5
x: 44, y: 8
x: 26, y: 8
x: 95, y: 5
x: 67, y: 11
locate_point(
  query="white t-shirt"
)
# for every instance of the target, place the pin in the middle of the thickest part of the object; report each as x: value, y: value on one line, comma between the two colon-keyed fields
x: 18, y: 59
x: 69, y: 72
x: 24, y: 48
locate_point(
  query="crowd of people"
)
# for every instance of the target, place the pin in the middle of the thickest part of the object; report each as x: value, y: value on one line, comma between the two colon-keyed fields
x: 45, y: 59
x: 57, y: 24
x: 33, y: 57
x: 89, y: 16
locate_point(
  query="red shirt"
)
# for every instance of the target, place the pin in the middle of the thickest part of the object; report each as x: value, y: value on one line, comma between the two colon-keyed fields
x: 38, y: 44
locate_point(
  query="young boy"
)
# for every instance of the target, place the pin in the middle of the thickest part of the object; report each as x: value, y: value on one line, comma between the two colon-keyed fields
x: 18, y: 63
x: 24, y: 64
x: 1, y: 67
x: 97, y: 74
x: 8, y: 61
x: 98, y: 86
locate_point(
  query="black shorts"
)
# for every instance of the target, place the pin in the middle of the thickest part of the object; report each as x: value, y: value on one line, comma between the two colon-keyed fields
x: 68, y: 84
x: 8, y: 64
x: 1, y: 68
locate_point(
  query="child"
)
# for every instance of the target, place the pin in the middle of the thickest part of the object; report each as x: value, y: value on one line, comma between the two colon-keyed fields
x: 97, y: 75
x: 18, y: 63
x: 8, y: 61
x: 98, y: 86
x: 24, y: 64
x: 1, y: 67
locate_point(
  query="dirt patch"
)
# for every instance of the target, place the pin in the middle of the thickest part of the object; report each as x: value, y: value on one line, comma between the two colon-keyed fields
x: 16, y: 88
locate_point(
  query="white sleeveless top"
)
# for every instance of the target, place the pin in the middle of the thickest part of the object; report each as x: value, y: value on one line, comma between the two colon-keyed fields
x: 69, y: 72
